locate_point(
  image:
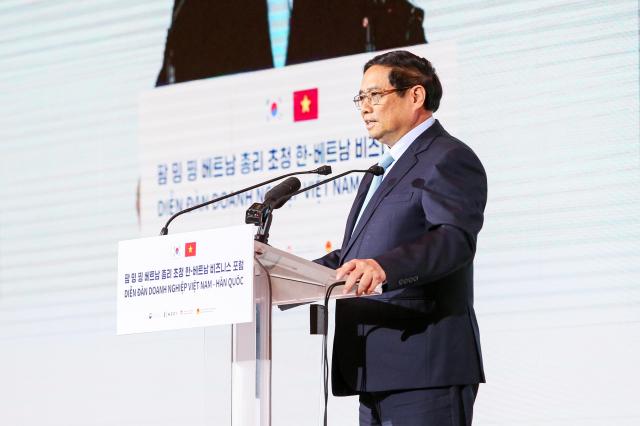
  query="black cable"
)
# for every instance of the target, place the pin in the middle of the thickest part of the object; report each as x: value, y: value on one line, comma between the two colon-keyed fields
x: 325, y: 362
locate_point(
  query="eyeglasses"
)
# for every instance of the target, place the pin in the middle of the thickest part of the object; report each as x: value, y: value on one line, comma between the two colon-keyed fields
x: 374, y: 97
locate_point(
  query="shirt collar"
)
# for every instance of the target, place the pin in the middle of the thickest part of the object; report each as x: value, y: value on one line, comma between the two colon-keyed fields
x: 405, y: 141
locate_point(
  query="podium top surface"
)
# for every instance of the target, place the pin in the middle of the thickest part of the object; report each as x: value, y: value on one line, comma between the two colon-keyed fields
x: 293, y: 279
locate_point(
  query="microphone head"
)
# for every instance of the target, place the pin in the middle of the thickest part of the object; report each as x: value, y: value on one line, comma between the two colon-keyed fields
x: 292, y: 184
x: 376, y: 170
x: 280, y: 194
x: 323, y: 170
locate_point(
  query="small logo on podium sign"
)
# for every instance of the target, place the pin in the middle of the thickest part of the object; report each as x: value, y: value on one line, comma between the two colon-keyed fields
x: 189, y: 249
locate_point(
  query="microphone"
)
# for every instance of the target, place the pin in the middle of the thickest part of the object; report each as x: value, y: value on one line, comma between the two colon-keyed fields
x: 259, y: 213
x: 375, y: 170
x: 282, y: 192
x: 322, y: 170
x: 274, y: 199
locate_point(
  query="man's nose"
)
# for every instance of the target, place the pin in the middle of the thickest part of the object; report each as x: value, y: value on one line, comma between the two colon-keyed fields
x: 365, y: 107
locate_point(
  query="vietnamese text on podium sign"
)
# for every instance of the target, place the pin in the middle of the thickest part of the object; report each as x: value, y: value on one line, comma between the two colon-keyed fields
x: 185, y: 280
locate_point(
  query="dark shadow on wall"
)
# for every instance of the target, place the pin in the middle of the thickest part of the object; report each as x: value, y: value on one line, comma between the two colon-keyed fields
x: 213, y: 38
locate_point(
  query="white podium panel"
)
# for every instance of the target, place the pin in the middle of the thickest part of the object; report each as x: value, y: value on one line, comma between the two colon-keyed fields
x: 192, y: 279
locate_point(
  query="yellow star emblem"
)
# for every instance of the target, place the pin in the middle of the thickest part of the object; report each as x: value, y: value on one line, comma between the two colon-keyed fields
x: 305, y: 103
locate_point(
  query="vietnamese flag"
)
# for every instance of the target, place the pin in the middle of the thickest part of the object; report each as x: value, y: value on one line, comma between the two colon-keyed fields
x: 305, y: 104
x: 189, y: 249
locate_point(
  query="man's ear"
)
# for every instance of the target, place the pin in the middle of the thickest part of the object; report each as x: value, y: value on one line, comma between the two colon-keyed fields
x: 418, y: 96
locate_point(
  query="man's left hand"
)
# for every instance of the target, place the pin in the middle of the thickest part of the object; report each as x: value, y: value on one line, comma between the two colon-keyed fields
x: 368, y: 271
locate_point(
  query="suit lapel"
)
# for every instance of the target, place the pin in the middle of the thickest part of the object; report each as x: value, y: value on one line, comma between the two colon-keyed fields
x: 402, y: 166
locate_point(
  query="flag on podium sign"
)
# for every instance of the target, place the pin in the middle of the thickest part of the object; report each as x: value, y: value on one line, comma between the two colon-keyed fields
x: 189, y: 249
x: 305, y: 105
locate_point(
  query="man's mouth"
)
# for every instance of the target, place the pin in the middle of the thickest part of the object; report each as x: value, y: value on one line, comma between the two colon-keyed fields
x: 369, y: 123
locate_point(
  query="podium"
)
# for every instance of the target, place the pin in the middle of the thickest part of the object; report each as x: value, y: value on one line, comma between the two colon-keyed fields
x: 280, y: 278
x: 197, y: 279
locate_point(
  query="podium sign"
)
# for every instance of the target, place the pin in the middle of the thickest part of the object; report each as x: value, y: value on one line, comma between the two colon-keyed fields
x: 192, y: 279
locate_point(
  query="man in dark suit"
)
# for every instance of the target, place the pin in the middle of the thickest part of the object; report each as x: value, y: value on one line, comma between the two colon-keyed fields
x: 412, y: 354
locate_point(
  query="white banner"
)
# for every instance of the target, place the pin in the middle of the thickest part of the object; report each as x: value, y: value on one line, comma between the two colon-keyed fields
x: 184, y: 280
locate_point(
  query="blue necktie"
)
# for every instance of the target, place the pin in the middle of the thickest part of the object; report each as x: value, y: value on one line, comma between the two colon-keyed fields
x: 384, y: 162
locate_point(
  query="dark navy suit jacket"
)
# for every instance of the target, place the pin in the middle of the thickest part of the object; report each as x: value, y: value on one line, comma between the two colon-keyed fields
x: 421, y: 226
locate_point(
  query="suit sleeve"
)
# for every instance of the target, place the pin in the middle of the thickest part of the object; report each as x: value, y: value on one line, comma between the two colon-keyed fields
x: 453, y: 197
x: 330, y: 260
